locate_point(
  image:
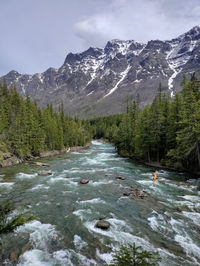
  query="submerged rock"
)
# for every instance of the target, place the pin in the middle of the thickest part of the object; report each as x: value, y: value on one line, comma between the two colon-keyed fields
x: 139, y: 194
x: 127, y: 193
x: 26, y: 247
x: 102, y: 224
x: 135, y: 193
x: 44, y: 173
x: 121, y: 177
x: 14, y: 256
x: 84, y: 181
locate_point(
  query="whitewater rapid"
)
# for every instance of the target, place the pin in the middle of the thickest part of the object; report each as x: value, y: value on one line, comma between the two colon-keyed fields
x: 64, y: 232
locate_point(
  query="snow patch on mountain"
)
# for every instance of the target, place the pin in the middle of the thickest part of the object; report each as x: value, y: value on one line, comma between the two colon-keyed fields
x: 123, y: 76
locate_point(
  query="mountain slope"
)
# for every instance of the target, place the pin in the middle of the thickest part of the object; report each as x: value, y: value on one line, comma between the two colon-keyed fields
x: 101, y: 81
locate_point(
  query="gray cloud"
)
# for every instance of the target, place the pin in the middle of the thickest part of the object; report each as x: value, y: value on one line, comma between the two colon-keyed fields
x: 37, y: 34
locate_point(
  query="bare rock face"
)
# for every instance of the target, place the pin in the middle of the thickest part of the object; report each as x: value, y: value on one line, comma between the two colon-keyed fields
x: 98, y: 81
x: 84, y: 181
x: 9, y: 161
x: 102, y: 224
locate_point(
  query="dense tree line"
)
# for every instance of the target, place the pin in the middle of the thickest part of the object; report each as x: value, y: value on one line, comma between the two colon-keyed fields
x: 167, y: 131
x: 26, y: 130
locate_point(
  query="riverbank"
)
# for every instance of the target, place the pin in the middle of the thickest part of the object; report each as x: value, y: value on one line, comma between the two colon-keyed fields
x: 9, y: 159
x: 156, y: 164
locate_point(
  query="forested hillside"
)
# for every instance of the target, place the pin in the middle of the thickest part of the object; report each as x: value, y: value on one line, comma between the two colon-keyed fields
x: 26, y: 130
x: 165, y: 132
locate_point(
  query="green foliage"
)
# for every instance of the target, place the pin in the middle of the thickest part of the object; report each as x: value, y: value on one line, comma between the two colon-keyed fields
x: 26, y: 130
x: 134, y: 256
x: 167, y: 131
x: 9, y: 225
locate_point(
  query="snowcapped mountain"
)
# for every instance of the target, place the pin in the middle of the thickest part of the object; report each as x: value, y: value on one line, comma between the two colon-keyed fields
x: 100, y: 81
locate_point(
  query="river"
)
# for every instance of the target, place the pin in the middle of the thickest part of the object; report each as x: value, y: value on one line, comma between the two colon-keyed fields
x: 167, y: 221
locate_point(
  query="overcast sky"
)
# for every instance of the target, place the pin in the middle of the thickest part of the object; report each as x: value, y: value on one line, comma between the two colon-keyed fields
x: 38, y: 34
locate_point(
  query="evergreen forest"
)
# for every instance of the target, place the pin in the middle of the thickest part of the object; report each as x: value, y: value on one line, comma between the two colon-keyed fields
x: 166, y: 133
x: 26, y: 130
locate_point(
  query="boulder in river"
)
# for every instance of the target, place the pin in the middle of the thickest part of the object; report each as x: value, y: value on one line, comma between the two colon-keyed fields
x: 139, y: 194
x: 102, y: 224
x: 127, y: 193
x: 84, y: 181
x: 26, y: 247
x: 44, y: 173
x: 41, y: 164
x: 14, y: 256
x: 121, y: 177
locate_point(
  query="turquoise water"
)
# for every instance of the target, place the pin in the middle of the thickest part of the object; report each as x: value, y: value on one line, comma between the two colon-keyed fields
x: 168, y: 221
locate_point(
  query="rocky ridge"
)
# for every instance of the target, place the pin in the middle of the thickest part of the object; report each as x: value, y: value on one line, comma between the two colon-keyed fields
x: 100, y: 81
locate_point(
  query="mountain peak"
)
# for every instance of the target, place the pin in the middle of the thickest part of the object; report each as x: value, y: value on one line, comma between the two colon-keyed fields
x: 192, y: 34
x: 99, y: 80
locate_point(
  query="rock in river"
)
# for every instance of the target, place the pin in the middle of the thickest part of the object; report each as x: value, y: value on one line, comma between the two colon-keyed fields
x: 84, y: 181
x: 102, y: 224
x: 139, y: 194
x: 44, y: 173
x: 121, y: 177
x: 41, y: 164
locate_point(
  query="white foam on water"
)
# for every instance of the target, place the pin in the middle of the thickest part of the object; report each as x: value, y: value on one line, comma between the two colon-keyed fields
x: 183, y: 239
x: 89, y: 161
x: 92, y: 201
x: 147, y: 174
x: 175, y: 224
x: 65, y: 257
x: 82, y: 214
x: 6, y: 184
x: 188, y: 245
x: 99, y: 183
x: 191, y: 198
x: 181, y: 187
x: 107, y: 257
x: 53, y: 180
x: 145, y: 182
x: 192, y: 180
x: 77, y: 170
x: 163, y: 172
x: 23, y: 176
x: 158, y: 223
x: 72, y: 184
x: 78, y: 242
x: 168, y: 258
x: 34, y: 257
x: 82, y: 153
x: 98, y: 143
x: 106, y: 156
x: 40, y: 234
x: 124, y: 197
x: 153, y: 223
x: 194, y: 216
x: 119, y: 231
x: 39, y: 187
x: 181, y: 203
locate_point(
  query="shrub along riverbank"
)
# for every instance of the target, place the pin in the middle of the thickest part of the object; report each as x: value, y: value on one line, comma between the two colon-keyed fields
x: 166, y: 133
